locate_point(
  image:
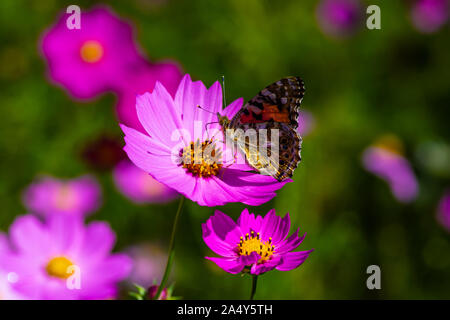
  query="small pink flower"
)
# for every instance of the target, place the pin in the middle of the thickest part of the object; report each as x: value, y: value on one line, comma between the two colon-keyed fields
x: 253, y: 244
x: 148, y: 264
x: 394, y: 169
x: 306, y: 122
x: 175, y: 127
x: 429, y: 16
x: 139, y: 186
x: 7, y: 277
x: 151, y: 292
x: 93, y: 59
x: 443, y: 212
x: 143, y: 80
x: 63, y: 259
x: 339, y: 18
x: 48, y: 196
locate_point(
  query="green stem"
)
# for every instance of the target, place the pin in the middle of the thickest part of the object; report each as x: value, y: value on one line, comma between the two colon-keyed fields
x: 254, y: 283
x: 171, y: 254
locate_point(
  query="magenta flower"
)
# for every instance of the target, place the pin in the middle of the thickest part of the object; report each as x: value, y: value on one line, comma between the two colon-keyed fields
x: 47, y: 196
x: 394, y: 169
x: 428, y: 16
x: 143, y: 80
x: 139, y: 186
x: 339, y: 18
x: 253, y: 244
x: 443, y: 212
x: 93, y: 59
x: 7, y: 277
x: 176, y: 139
x: 63, y: 259
x: 148, y: 264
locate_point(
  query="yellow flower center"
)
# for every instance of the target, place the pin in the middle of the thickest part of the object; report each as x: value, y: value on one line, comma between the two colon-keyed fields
x: 58, y: 267
x: 91, y: 51
x: 253, y: 243
x: 390, y: 143
x: 201, y: 159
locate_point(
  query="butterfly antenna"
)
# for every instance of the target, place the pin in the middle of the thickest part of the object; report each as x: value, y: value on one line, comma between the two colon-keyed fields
x: 200, y: 107
x: 223, y: 92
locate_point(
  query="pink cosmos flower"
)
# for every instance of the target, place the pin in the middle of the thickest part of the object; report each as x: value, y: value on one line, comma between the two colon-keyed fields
x: 143, y: 80
x: 48, y: 195
x: 394, y: 169
x: 339, y: 18
x: 139, y: 186
x: 443, y: 213
x: 253, y: 244
x: 90, y: 60
x: 7, y: 278
x: 148, y: 264
x: 177, y: 135
x: 429, y: 16
x: 63, y: 259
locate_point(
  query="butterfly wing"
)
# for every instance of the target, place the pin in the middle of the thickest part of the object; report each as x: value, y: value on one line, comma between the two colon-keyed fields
x: 276, y: 107
x: 277, y: 156
x: 279, y: 101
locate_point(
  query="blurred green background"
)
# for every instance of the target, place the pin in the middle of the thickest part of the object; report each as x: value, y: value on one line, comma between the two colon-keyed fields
x: 394, y: 80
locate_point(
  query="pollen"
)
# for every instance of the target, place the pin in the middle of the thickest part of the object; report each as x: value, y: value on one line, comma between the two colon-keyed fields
x: 253, y: 243
x: 91, y: 51
x: 202, y: 160
x: 58, y: 267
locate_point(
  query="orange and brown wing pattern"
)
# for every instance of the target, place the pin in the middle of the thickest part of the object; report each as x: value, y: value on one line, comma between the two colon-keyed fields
x: 279, y: 102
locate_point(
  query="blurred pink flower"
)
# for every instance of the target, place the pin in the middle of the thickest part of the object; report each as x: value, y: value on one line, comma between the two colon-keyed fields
x: 306, y: 122
x: 394, y: 169
x: 339, y: 18
x: 93, y: 59
x: 63, y: 259
x: 48, y: 196
x: 139, y: 186
x: 175, y: 127
x: 151, y: 293
x: 7, y: 278
x: 443, y: 213
x: 428, y: 16
x: 148, y: 264
x: 253, y: 244
x: 140, y: 81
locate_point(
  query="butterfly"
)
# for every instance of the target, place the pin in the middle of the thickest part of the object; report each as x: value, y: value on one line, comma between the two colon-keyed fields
x: 275, y: 109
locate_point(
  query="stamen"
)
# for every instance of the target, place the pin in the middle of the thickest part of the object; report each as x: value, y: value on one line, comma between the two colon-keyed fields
x: 201, y: 159
x: 253, y: 243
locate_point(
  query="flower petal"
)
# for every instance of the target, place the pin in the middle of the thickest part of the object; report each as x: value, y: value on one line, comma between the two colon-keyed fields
x: 229, y: 265
x: 290, y: 244
x: 158, y: 114
x: 215, y: 243
x: 225, y: 228
x: 260, y: 268
x: 270, y: 225
x: 28, y: 234
x: 248, y: 222
x: 283, y: 229
x: 189, y: 95
x: 292, y: 260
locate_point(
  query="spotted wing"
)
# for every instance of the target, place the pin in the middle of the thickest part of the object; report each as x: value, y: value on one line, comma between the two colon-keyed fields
x: 276, y: 154
x: 279, y: 102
